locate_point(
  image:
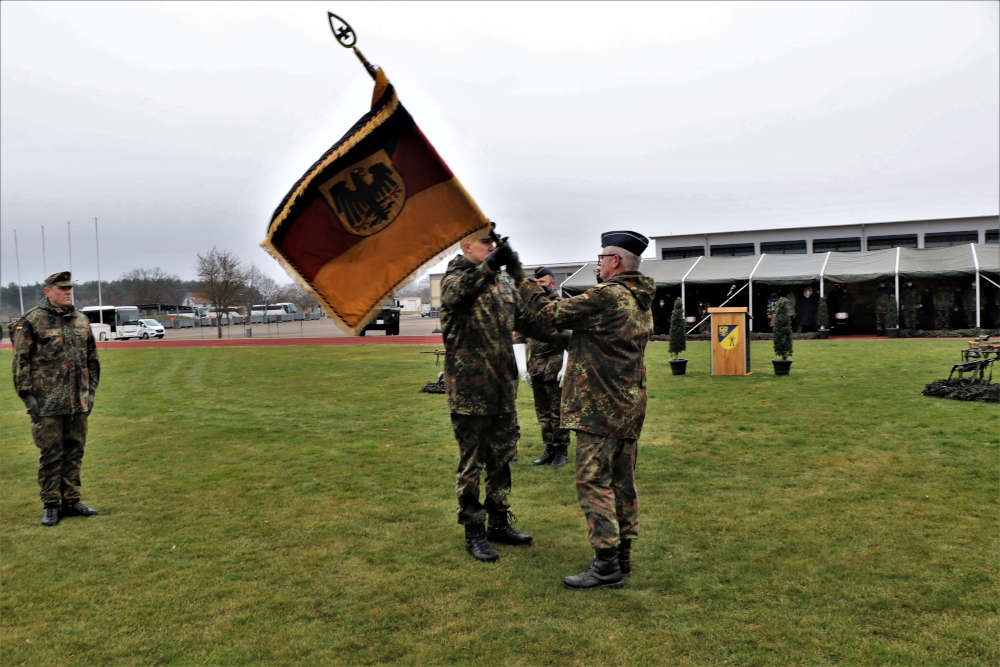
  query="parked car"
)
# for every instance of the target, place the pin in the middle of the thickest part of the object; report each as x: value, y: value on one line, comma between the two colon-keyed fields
x: 150, y: 329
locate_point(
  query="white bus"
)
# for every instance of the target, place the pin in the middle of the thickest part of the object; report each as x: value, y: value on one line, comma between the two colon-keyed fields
x: 119, y: 322
x: 276, y: 312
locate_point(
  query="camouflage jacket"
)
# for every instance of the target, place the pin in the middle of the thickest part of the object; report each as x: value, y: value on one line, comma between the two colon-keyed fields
x: 479, y: 315
x: 55, y: 359
x: 544, y: 356
x: 604, y: 390
x: 910, y: 298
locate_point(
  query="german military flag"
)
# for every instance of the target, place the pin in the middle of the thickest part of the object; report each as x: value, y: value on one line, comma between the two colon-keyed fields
x: 377, y: 207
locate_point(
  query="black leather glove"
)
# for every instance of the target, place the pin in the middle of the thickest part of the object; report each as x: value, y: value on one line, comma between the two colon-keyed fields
x: 31, y: 404
x: 514, y: 268
x: 500, y: 256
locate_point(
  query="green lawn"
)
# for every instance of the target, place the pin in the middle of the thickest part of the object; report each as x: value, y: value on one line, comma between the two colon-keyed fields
x: 296, y: 505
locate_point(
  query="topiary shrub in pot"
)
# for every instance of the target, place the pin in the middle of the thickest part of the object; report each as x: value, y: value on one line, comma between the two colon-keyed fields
x: 678, y: 342
x: 823, y: 318
x: 782, y: 338
x: 892, y: 319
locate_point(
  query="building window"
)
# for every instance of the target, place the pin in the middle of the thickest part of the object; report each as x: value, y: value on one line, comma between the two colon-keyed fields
x: 680, y: 252
x: 939, y: 239
x: 851, y: 244
x: 993, y: 236
x: 732, y: 250
x: 783, y: 247
x: 883, y: 242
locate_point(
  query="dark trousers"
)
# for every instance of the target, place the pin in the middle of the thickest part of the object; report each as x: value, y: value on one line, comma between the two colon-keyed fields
x: 485, y: 442
x: 605, y: 488
x: 61, y: 439
x: 548, y: 395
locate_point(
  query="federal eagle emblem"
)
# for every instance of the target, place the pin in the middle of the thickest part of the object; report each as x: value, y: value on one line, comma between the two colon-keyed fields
x: 367, y: 196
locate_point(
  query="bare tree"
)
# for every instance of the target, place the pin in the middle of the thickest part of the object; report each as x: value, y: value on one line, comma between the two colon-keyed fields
x: 302, y: 299
x: 142, y: 285
x: 223, y: 279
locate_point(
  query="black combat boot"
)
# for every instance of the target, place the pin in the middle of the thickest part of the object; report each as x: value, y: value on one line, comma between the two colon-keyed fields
x: 545, y: 458
x: 604, y: 572
x: 476, y: 544
x: 503, y: 532
x: 76, y: 508
x: 625, y: 556
x: 559, y: 456
x: 51, y: 515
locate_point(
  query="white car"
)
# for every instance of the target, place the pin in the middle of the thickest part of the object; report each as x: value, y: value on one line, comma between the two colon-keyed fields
x: 150, y: 329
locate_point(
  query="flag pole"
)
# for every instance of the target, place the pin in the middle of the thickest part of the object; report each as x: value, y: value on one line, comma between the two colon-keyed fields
x: 348, y: 38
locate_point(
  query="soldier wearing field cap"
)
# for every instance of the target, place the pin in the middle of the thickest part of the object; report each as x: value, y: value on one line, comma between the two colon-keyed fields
x: 56, y: 372
x: 604, y: 397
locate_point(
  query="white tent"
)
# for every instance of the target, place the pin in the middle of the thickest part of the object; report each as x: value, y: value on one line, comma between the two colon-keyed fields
x: 973, y: 259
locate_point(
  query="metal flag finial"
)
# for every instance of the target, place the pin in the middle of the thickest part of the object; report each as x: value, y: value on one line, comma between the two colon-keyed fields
x: 345, y: 34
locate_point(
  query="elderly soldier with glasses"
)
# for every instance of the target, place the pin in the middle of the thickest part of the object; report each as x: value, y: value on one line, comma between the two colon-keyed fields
x: 604, y: 397
x: 56, y: 373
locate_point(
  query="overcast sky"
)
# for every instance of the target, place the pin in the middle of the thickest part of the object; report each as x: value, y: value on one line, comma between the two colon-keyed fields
x: 180, y: 126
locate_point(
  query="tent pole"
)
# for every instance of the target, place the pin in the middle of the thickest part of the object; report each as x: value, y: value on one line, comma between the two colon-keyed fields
x: 684, y: 288
x: 898, y: 249
x: 821, y: 272
x: 975, y: 262
x: 750, y: 292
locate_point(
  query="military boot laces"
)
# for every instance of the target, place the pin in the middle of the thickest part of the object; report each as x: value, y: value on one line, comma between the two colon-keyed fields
x: 50, y: 516
x: 476, y: 544
x: 503, y: 532
x: 625, y: 557
x: 604, y: 572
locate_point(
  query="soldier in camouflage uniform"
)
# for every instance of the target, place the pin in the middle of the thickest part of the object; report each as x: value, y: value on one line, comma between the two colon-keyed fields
x: 56, y: 373
x: 542, y: 373
x: 944, y: 301
x: 909, y: 303
x: 604, y: 398
x: 479, y: 314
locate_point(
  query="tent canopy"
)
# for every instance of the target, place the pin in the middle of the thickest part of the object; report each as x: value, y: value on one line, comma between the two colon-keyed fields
x: 842, y: 267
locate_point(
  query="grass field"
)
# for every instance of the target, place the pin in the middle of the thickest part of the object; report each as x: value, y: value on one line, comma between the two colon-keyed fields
x: 296, y: 505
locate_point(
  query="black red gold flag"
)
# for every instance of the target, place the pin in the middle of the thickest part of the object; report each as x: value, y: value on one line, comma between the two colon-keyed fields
x: 374, y: 210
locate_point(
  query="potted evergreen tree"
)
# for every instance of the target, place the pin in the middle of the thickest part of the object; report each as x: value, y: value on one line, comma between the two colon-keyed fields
x: 678, y: 342
x: 782, y: 338
x: 822, y: 318
x: 892, y: 319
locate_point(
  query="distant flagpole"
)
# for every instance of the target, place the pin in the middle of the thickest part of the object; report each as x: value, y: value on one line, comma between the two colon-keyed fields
x: 69, y: 246
x: 17, y: 256
x: 45, y: 271
x: 100, y: 302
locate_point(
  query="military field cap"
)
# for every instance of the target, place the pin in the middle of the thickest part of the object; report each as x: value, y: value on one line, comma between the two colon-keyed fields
x: 61, y: 279
x: 542, y: 271
x: 634, y: 242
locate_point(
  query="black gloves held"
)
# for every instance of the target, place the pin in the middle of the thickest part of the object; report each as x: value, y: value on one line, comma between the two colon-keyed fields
x: 500, y: 256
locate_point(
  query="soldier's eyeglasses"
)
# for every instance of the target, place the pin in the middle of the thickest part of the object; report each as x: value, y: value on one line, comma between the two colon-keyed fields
x: 601, y: 257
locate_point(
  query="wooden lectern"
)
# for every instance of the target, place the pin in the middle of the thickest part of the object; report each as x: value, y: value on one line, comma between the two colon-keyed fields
x: 730, y: 341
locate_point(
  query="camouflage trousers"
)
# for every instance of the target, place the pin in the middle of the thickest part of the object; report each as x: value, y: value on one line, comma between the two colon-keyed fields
x: 484, y: 442
x: 61, y: 439
x: 605, y: 488
x: 942, y: 319
x: 909, y: 318
x: 548, y: 395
